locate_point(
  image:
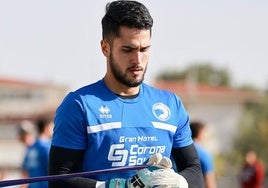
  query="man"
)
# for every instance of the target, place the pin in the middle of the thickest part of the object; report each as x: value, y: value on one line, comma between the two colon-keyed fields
x: 36, y: 159
x: 252, y: 174
x: 206, y: 159
x: 26, y: 135
x: 119, y: 120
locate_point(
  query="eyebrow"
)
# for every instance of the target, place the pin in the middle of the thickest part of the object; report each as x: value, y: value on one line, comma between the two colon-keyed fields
x: 135, y: 48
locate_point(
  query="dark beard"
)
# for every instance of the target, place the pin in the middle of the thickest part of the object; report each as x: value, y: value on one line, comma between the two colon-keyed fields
x: 121, y: 77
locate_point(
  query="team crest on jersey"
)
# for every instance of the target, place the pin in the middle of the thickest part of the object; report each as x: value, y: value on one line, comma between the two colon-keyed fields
x: 161, y: 111
x: 105, y: 112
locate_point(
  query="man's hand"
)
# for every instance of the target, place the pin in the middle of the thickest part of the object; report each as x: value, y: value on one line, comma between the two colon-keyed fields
x: 167, y: 178
x: 158, y: 174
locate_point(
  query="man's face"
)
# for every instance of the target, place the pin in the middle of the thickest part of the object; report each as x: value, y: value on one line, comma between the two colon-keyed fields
x: 129, y: 56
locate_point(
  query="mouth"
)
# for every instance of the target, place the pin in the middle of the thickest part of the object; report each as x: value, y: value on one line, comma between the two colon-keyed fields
x: 136, y: 70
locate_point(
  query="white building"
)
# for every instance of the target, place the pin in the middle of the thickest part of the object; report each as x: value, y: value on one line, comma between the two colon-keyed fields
x: 19, y: 101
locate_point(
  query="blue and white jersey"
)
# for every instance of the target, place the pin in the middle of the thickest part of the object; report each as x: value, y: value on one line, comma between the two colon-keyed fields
x: 36, y: 161
x: 205, y: 158
x: 116, y: 132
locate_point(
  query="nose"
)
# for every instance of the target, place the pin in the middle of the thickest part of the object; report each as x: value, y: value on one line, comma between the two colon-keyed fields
x: 137, y: 56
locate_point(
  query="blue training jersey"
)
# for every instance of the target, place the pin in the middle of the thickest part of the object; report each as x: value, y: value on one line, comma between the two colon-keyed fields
x: 117, y: 132
x: 36, y: 161
x: 205, y: 158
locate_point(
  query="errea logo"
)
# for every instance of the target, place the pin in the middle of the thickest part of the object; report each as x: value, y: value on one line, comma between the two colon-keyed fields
x: 161, y: 111
x: 105, y: 112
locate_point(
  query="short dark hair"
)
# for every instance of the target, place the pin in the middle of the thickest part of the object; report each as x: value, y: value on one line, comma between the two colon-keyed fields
x: 42, y: 122
x: 124, y: 13
x: 196, y: 126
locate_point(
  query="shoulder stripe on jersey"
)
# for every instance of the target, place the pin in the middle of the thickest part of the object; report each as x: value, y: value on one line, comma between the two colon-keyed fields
x: 165, y: 126
x: 103, y: 127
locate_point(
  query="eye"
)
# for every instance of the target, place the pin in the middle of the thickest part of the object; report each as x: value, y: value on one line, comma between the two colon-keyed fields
x: 146, y: 49
x: 127, y: 50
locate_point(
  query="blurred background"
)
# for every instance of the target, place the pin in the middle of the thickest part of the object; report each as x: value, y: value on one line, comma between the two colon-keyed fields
x: 213, y: 54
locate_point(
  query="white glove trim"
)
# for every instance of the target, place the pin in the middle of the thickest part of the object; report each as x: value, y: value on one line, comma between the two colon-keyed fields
x: 100, y: 184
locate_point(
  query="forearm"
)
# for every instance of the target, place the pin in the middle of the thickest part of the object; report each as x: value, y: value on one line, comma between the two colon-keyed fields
x: 65, y: 161
x: 210, y: 180
x: 188, y: 165
x: 194, y: 177
x: 77, y: 182
x: 73, y: 183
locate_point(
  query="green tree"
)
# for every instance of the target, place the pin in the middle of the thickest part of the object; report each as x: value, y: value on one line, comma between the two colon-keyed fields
x: 253, y: 134
x: 254, y: 129
x: 201, y: 72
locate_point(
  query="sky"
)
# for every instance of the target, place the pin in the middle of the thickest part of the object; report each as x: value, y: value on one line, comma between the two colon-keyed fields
x: 58, y: 41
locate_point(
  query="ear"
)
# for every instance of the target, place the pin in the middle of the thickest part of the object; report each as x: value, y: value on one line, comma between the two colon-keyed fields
x: 105, y: 48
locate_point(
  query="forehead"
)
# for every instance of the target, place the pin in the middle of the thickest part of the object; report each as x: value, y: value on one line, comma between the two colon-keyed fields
x: 133, y: 36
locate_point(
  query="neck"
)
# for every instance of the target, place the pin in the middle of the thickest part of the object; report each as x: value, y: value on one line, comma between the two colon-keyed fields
x: 44, y: 136
x: 119, y: 88
x: 198, y: 141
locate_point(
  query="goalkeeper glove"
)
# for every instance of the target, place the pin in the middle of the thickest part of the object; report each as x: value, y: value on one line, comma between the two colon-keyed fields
x: 158, y: 174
